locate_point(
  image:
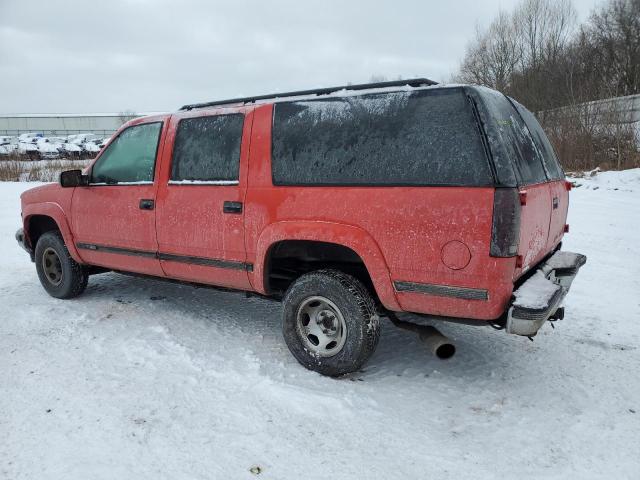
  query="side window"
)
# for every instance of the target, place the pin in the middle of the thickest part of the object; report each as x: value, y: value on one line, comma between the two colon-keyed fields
x: 207, y: 149
x: 516, y: 138
x: 427, y: 137
x: 549, y: 158
x: 131, y: 157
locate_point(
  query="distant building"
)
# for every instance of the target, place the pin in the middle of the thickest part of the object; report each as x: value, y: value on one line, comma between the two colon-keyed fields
x: 64, y: 123
x: 600, y: 114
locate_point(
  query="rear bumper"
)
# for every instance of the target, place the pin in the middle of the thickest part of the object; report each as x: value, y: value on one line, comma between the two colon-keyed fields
x: 540, y: 297
x: 22, y: 241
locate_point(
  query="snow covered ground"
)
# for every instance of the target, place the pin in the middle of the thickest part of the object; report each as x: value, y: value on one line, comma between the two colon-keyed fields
x: 148, y: 380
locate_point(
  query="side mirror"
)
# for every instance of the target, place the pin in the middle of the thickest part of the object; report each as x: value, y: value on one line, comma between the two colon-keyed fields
x: 73, y: 178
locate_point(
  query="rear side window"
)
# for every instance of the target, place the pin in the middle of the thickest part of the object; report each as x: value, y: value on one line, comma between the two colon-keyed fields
x: 207, y: 148
x: 427, y: 137
x: 551, y: 163
x: 131, y: 157
x: 516, y: 138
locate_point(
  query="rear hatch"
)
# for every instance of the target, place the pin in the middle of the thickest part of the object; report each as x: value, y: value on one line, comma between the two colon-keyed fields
x: 558, y: 186
x: 524, y: 160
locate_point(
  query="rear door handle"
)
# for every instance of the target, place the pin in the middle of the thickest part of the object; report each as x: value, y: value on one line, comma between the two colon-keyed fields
x: 232, y: 207
x: 555, y: 202
x: 146, y: 204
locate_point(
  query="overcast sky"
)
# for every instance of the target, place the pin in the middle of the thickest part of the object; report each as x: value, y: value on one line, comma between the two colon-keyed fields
x: 155, y: 55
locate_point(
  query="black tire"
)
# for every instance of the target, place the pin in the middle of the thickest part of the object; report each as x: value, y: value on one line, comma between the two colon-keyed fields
x: 73, y: 277
x: 357, y: 309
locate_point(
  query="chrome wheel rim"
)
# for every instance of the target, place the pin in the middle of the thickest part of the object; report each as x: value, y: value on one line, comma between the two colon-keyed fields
x: 321, y: 326
x: 52, y: 266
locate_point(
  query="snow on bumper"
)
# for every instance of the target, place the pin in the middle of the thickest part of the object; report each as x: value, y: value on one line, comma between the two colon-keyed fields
x: 538, y: 299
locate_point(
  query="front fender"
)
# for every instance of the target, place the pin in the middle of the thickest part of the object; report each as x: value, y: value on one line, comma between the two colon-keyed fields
x: 355, y: 238
x: 55, y: 211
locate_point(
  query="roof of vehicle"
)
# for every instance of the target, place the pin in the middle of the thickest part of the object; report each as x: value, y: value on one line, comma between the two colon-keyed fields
x: 314, y: 93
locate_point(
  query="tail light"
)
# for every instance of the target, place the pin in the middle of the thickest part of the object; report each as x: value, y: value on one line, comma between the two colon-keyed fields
x: 505, y: 231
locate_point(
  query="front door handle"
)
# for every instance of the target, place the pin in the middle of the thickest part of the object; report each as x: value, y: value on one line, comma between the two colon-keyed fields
x: 555, y: 202
x: 232, y: 207
x: 146, y: 204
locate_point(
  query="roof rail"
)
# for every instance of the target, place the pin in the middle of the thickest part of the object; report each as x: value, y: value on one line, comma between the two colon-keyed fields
x: 414, y: 82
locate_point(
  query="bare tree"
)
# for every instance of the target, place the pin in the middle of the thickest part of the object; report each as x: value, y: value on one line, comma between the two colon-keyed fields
x: 493, y: 54
x: 536, y: 55
x: 545, y: 27
x: 513, y: 54
x: 614, y: 34
x: 126, y: 115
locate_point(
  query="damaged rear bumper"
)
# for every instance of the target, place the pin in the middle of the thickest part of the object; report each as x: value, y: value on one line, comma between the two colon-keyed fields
x: 540, y: 297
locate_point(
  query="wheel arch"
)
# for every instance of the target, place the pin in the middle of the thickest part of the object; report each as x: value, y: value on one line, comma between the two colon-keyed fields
x: 44, y: 217
x: 350, y: 237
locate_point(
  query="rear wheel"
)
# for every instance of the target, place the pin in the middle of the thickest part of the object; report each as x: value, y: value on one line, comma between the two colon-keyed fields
x: 60, y: 275
x: 330, y: 322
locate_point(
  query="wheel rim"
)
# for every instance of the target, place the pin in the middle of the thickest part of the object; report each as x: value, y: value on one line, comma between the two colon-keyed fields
x: 52, y: 266
x: 321, y: 326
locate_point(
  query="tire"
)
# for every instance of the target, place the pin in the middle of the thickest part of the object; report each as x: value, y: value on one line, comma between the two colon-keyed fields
x: 61, y: 278
x: 330, y: 305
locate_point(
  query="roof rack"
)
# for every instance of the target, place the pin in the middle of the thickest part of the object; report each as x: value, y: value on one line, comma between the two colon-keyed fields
x: 414, y: 82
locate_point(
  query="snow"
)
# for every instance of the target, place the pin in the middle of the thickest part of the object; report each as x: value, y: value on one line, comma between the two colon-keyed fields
x: 324, y: 110
x: 353, y: 93
x: 627, y: 180
x: 203, y: 182
x: 148, y: 380
x: 7, y: 149
x: 536, y: 292
x: 563, y: 259
x: 142, y: 182
x: 46, y: 147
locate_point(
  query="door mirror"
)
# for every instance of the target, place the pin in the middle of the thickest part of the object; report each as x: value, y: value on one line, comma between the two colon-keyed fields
x: 73, y: 178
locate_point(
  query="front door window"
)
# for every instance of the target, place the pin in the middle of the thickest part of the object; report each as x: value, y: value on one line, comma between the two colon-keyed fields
x: 130, y: 158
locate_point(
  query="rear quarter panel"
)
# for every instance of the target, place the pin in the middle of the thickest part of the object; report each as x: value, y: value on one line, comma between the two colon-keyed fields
x: 409, y: 226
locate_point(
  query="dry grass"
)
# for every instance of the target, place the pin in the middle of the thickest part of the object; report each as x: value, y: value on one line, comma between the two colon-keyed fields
x: 10, y: 171
x: 39, y: 171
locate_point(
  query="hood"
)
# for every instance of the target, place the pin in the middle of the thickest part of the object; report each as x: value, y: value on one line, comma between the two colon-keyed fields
x: 42, y: 193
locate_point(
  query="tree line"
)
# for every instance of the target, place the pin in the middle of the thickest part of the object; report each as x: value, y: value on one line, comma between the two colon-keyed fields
x: 539, y: 55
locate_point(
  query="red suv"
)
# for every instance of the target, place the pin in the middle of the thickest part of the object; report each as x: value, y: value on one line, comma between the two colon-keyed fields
x: 348, y: 204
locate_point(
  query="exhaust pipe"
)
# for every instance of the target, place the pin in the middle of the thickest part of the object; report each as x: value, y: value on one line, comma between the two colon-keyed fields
x: 438, y: 344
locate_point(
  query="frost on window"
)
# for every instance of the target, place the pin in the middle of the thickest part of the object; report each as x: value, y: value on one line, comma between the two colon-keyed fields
x: 551, y: 163
x: 130, y: 157
x: 427, y: 137
x: 207, y: 148
x: 515, y: 138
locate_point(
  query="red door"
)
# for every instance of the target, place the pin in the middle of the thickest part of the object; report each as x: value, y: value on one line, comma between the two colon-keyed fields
x: 113, y: 219
x: 200, y: 215
x: 559, y: 208
x: 534, y: 224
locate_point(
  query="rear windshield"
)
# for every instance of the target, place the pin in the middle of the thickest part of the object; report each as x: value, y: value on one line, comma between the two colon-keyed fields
x: 549, y: 159
x: 427, y: 137
x: 515, y: 138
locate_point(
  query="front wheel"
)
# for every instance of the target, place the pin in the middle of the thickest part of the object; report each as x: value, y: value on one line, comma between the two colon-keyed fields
x: 60, y: 275
x: 330, y: 322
